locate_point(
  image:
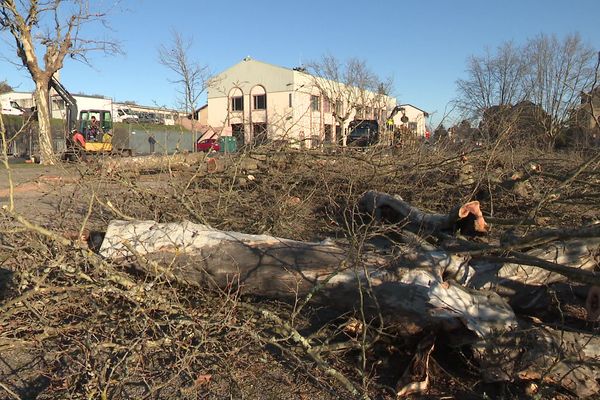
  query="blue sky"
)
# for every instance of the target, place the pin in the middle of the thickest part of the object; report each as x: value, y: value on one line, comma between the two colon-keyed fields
x: 423, y: 45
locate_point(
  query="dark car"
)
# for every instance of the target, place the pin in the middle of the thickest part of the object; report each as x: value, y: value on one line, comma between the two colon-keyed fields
x: 208, y: 145
x: 363, y: 133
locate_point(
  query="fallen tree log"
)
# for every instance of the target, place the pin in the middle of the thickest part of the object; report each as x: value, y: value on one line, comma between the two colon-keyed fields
x: 270, y: 266
x: 543, y: 354
x: 138, y: 164
x: 526, y: 277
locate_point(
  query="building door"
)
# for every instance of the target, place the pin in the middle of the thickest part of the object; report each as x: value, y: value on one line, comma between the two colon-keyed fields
x: 260, y: 134
x: 328, y: 139
x: 237, y: 131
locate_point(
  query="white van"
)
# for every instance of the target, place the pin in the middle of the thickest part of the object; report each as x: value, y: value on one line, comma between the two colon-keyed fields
x: 122, y: 114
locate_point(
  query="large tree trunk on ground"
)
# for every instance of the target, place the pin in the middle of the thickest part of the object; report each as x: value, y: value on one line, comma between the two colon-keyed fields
x: 270, y: 266
x: 527, y: 285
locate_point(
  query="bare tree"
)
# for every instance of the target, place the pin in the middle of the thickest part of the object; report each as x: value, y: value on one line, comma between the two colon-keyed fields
x: 52, y: 28
x: 191, y: 77
x: 560, y: 71
x: 547, y: 72
x: 349, y: 87
x: 5, y: 87
x: 493, y: 80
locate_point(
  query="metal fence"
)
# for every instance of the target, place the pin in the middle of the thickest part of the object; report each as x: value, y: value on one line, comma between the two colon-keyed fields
x: 160, y: 141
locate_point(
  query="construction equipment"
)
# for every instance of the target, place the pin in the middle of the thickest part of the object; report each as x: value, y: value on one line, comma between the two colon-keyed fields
x: 95, y: 125
x: 365, y: 132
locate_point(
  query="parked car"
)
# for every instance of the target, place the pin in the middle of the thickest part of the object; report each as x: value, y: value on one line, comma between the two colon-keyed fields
x: 207, y: 145
x: 363, y: 132
x: 143, y: 117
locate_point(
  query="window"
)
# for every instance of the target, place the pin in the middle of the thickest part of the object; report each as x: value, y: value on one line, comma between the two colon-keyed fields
x: 315, y: 103
x: 368, y: 112
x: 412, y: 126
x: 326, y: 105
x: 338, y: 108
x: 260, y: 101
x: 59, y: 104
x: 290, y: 100
x: 359, y: 112
x: 237, y: 103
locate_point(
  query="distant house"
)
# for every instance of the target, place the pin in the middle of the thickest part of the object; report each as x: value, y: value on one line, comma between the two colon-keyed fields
x: 590, y: 109
x: 415, y: 121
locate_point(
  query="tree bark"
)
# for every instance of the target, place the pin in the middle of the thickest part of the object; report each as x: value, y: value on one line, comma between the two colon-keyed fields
x: 139, y: 164
x: 276, y: 267
x: 41, y: 95
x: 467, y: 218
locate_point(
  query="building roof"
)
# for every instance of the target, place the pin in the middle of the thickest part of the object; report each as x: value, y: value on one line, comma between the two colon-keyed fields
x: 420, y: 109
x: 248, y: 58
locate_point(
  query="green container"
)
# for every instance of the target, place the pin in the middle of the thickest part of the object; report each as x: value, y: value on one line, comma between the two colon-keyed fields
x: 228, y: 144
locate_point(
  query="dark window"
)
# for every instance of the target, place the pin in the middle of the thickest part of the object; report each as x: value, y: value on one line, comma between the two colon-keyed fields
x: 290, y: 100
x: 412, y: 126
x: 328, y: 134
x: 326, y: 106
x: 260, y: 133
x: 260, y: 102
x: 237, y: 103
x: 315, y: 103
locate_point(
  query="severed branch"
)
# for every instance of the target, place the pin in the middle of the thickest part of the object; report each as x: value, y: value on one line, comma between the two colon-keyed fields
x: 466, y: 218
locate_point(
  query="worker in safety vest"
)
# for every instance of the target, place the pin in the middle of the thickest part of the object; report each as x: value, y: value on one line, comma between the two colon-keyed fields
x: 78, y: 138
x: 107, y: 137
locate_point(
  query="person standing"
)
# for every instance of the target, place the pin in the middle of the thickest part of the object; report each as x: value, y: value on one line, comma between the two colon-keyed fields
x: 152, y: 142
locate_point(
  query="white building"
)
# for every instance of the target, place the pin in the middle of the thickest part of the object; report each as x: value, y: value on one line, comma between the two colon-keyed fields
x: 257, y: 101
x: 416, y: 122
x: 23, y: 99
x: 121, y: 112
x: 84, y: 102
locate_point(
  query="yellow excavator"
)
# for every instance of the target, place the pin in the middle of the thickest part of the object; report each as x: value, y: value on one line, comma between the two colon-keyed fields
x: 96, y: 127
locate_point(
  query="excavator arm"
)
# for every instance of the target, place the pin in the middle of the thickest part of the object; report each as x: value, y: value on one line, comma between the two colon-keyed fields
x: 395, y: 111
x: 70, y: 104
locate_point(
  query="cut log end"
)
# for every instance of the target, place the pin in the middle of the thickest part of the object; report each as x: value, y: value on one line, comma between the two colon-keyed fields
x: 479, y: 225
x: 592, y: 303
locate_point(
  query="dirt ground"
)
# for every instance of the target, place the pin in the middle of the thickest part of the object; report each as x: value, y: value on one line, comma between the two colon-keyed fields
x: 35, y: 186
x: 68, y: 329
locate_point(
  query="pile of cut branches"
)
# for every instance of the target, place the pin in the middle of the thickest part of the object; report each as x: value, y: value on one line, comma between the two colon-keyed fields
x: 376, y: 274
